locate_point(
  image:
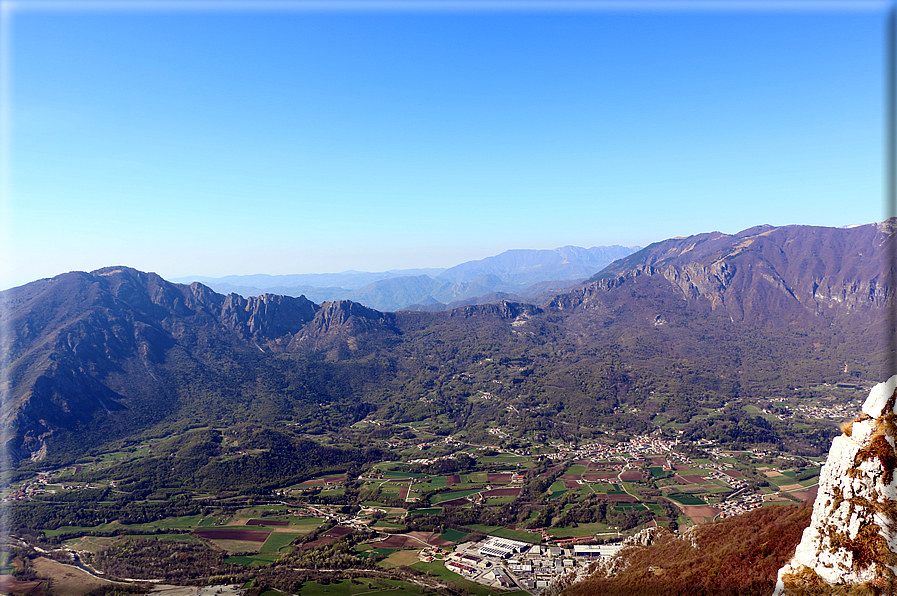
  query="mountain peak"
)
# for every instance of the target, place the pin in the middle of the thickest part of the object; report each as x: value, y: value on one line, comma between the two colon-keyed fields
x: 851, y: 544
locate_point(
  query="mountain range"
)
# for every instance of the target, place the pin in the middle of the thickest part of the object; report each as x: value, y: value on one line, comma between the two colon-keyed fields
x: 529, y: 275
x: 706, y: 321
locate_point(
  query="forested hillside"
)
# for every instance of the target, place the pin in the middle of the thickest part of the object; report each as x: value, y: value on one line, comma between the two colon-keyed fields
x: 679, y: 335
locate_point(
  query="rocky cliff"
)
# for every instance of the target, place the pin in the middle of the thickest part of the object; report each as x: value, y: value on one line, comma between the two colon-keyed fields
x: 805, y: 271
x: 850, y: 546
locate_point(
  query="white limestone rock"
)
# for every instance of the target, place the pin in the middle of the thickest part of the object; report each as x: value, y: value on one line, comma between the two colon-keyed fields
x: 852, y: 538
x: 879, y: 398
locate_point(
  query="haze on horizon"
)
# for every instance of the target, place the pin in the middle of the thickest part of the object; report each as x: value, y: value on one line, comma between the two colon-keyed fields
x: 220, y: 140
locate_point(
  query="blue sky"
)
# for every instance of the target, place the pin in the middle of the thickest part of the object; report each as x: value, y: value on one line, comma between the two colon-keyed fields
x: 223, y: 140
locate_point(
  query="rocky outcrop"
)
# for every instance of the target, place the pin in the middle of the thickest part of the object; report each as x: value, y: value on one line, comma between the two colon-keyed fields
x: 502, y: 310
x: 266, y: 316
x: 850, y: 546
x: 344, y: 325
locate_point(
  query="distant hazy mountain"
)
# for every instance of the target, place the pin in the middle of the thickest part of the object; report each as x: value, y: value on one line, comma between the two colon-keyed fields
x: 526, y: 267
x: 313, y: 293
x: 520, y: 274
x: 347, y: 280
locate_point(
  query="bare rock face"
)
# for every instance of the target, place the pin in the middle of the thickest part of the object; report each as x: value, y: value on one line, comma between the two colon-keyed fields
x: 850, y: 546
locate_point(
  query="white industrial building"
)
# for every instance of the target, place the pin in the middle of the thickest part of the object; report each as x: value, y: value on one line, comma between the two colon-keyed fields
x: 591, y: 551
x: 502, y: 547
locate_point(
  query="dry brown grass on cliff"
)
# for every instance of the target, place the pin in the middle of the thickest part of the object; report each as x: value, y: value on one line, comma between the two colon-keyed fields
x: 806, y: 582
x: 739, y: 556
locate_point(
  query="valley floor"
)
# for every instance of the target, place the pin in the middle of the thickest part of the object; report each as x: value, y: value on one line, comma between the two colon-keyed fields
x: 402, y: 517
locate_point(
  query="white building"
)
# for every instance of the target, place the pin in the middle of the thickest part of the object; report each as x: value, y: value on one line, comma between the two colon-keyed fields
x: 502, y: 548
x: 591, y: 551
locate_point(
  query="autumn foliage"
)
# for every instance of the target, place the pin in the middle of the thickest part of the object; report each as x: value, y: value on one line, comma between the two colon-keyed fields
x: 739, y: 556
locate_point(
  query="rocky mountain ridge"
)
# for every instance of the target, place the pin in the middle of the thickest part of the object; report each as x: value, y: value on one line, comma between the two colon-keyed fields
x: 682, y: 324
x: 834, y: 272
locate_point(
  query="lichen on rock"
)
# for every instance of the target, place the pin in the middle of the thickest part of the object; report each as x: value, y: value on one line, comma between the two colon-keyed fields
x: 850, y: 546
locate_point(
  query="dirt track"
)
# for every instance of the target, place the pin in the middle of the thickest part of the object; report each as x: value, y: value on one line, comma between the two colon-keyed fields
x: 413, y: 540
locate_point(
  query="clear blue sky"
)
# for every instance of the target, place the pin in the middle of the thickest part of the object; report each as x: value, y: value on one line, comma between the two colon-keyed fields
x: 225, y: 141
